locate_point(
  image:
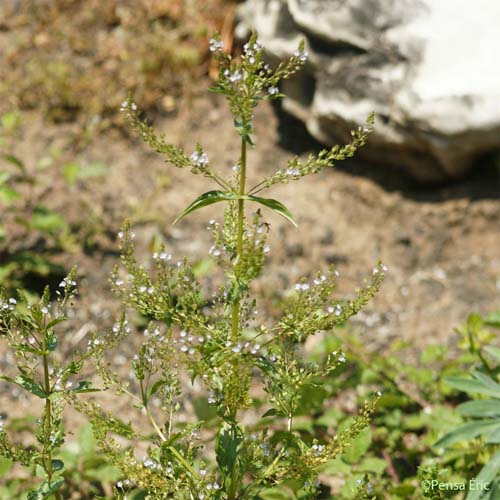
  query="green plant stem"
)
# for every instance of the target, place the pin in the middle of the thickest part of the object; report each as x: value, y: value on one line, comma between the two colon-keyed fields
x: 174, y: 452
x: 48, y: 416
x: 239, y: 247
x: 477, y: 350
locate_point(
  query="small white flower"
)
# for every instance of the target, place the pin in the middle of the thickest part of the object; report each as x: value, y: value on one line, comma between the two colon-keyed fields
x: 215, y: 45
x: 199, y: 158
x: 302, y: 55
x: 44, y: 310
x: 266, y: 249
x: 273, y: 90
x: 294, y: 172
x: 235, y: 77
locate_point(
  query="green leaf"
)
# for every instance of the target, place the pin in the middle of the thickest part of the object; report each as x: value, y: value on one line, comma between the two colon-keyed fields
x: 73, y: 172
x: 4, y: 177
x: 466, y: 432
x: 83, y: 386
x: 27, y: 384
x: 10, y: 120
x: 274, y: 494
x: 474, y: 322
x: 13, y: 160
x: 57, y: 465
x: 244, y: 130
x: 359, y: 446
x: 372, y: 464
x: 493, y: 351
x: 203, y: 410
x: 86, y: 441
x: 208, y: 198
x: 228, y: 447
x: 271, y: 413
x: 8, y: 195
x: 104, y: 473
x: 482, y: 408
x: 70, y: 172
x: 56, y: 321
x: 493, y: 437
x: 487, y: 381
x: 44, y: 219
x: 492, y: 319
x: 5, y: 466
x: 46, y: 489
x: 211, y: 197
x: 487, y: 474
x: 156, y: 387
x: 470, y: 385
x: 51, y: 342
x: 274, y: 205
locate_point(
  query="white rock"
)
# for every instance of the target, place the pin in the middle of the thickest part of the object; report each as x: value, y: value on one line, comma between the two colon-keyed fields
x: 426, y: 67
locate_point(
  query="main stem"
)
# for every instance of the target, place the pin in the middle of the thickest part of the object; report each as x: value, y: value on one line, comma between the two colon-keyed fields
x: 48, y: 417
x: 239, y: 248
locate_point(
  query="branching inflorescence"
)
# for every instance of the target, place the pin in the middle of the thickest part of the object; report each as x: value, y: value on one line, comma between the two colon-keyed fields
x: 220, y: 345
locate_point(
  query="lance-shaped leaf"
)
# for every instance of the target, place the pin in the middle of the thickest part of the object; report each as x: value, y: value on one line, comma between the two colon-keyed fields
x: 477, y: 385
x: 488, y: 473
x: 28, y: 384
x: 211, y: 197
x: 208, y: 198
x: 46, y: 489
x: 480, y: 408
x: 466, y: 432
x: 273, y: 205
